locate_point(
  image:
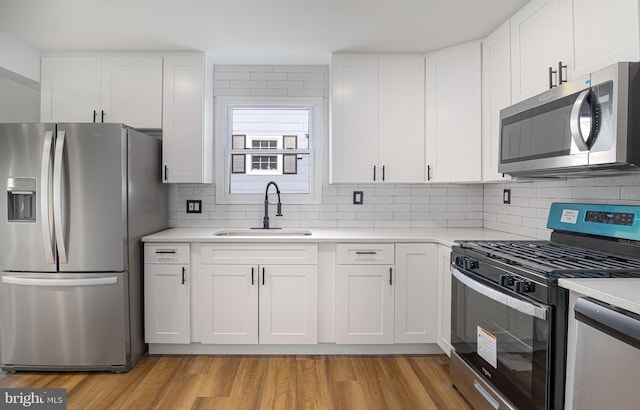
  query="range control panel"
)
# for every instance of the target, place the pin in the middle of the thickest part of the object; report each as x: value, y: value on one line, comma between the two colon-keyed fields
x: 613, y: 221
x: 615, y: 218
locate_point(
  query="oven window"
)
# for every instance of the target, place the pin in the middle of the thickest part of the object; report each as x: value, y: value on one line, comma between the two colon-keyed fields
x: 508, y: 347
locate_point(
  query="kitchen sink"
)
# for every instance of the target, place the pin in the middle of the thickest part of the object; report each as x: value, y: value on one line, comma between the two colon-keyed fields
x: 263, y: 232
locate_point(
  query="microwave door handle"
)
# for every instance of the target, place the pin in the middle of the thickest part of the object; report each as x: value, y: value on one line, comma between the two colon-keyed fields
x: 57, y: 198
x: 45, y: 210
x: 574, y: 121
x: 521, y: 306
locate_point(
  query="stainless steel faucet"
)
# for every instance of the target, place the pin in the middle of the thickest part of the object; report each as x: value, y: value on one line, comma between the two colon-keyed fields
x: 265, y: 220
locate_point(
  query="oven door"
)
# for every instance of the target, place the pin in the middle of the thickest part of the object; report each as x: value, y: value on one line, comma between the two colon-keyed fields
x: 504, y: 338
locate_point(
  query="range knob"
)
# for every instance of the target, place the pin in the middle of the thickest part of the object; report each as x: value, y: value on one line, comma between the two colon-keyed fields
x: 506, y: 280
x: 523, y: 286
x: 470, y: 264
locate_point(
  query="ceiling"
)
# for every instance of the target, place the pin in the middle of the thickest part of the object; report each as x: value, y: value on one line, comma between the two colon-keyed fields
x: 252, y: 31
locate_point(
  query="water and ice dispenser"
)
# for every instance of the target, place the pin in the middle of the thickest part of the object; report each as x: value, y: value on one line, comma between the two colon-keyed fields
x: 21, y: 199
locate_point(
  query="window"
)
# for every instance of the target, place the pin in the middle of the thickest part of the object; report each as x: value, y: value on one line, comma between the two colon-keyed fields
x: 261, y: 140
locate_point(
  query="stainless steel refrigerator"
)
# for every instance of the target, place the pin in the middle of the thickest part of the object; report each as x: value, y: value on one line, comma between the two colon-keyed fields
x: 77, y: 199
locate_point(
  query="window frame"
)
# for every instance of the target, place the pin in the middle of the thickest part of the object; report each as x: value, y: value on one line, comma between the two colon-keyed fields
x: 223, y: 141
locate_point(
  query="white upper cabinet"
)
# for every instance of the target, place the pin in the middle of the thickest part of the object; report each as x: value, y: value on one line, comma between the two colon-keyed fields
x: 604, y: 32
x: 401, y: 140
x: 496, y: 95
x: 126, y: 89
x: 187, y: 138
x: 537, y: 36
x: 453, y: 114
x: 377, y: 117
x: 70, y: 89
x: 132, y: 91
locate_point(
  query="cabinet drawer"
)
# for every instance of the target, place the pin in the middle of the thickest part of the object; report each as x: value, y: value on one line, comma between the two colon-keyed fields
x: 259, y: 253
x: 170, y: 253
x: 365, y: 254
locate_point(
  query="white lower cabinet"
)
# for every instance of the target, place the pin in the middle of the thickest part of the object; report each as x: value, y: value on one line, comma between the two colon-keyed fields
x: 416, y: 293
x: 444, y: 299
x: 273, y: 301
x: 387, y: 295
x: 167, y: 284
x: 364, y: 304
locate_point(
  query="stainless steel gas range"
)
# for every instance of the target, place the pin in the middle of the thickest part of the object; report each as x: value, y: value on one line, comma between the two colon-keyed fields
x: 509, y: 316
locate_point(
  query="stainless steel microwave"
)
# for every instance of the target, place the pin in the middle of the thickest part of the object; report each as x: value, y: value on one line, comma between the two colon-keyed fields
x: 588, y: 126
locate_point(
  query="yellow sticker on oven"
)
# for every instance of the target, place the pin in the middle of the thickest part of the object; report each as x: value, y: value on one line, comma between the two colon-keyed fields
x: 488, y: 347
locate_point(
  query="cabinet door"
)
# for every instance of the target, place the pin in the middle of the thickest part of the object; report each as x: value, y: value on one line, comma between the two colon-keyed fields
x: 444, y: 299
x: 603, y: 33
x: 364, y: 304
x: 416, y: 293
x: 496, y: 95
x: 70, y: 89
x: 536, y: 43
x: 132, y: 91
x: 354, y: 119
x: 288, y: 304
x: 166, y: 303
x: 401, y: 121
x: 228, y: 298
x: 453, y: 114
x: 187, y: 146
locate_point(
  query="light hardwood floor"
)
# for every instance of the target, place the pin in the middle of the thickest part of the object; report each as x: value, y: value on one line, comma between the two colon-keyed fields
x: 259, y: 382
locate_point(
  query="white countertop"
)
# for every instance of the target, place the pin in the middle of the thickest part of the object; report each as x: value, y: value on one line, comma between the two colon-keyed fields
x: 621, y: 292
x: 444, y: 236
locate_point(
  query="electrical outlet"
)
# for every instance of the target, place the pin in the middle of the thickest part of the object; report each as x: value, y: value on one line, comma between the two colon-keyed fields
x: 506, y: 196
x: 358, y: 197
x: 194, y: 206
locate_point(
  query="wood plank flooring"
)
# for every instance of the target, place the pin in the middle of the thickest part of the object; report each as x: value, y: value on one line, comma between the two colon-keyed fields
x: 259, y: 382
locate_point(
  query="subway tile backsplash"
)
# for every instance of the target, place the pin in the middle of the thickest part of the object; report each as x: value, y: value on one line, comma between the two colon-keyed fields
x: 530, y: 200
x: 415, y: 206
x: 406, y: 206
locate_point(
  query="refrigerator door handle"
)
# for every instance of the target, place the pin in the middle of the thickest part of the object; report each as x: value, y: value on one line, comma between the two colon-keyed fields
x: 59, y: 282
x: 57, y: 198
x: 45, y: 176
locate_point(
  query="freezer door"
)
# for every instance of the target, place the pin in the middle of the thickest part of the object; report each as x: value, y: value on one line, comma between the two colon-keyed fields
x: 90, y: 197
x: 63, y: 321
x: 26, y: 218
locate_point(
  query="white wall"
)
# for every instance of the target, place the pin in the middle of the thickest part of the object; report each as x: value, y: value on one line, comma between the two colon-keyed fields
x: 19, y: 57
x: 19, y: 98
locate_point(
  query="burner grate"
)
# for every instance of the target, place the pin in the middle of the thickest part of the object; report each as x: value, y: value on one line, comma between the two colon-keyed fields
x: 549, y: 256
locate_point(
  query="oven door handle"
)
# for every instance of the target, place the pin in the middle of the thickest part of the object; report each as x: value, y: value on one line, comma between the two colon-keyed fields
x: 521, y: 306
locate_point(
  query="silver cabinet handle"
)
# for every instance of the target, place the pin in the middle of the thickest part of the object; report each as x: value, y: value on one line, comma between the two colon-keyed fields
x: 58, y: 199
x: 366, y: 253
x: 45, y: 211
